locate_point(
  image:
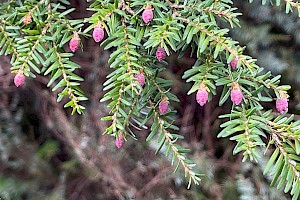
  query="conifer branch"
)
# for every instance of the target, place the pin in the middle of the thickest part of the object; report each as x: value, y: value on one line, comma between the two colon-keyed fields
x: 35, y: 7
x: 178, y: 151
x: 162, y: 28
x: 224, y: 42
x: 295, y: 5
x: 219, y: 10
x: 291, y: 162
x: 265, y: 83
x: 116, y: 109
x: 33, y: 48
x: 218, y: 37
x: 286, y: 165
x: 74, y: 95
x: 127, y: 54
x: 10, y: 41
x: 122, y: 5
x: 132, y: 108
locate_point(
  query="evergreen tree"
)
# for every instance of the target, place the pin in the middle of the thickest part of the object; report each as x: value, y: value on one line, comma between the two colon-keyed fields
x: 41, y: 40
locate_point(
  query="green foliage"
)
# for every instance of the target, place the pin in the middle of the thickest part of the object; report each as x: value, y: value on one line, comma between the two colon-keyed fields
x: 255, y: 186
x: 247, y: 130
x: 11, y: 188
x: 284, y: 162
x: 48, y: 150
x: 38, y: 44
x: 35, y: 34
x: 272, y: 37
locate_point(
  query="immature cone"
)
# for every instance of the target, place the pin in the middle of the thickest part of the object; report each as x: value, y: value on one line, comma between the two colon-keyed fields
x: 74, y: 42
x: 282, y: 105
x: 119, y: 141
x: 202, y: 95
x: 147, y: 14
x: 140, y: 79
x: 233, y: 63
x: 236, y: 94
x: 160, y: 54
x: 163, y: 106
x: 19, y: 79
x: 98, y: 34
x: 27, y: 19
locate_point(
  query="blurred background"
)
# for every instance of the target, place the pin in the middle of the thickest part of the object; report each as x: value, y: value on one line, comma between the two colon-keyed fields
x: 45, y: 153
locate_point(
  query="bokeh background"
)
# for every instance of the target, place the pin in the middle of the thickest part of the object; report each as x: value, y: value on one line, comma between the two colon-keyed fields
x: 46, y: 153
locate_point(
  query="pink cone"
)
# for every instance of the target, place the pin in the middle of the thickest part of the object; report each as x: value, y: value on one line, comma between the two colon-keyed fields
x: 19, y: 79
x: 163, y: 106
x: 160, y: 54
x: 202, y: 97
x: 140, y: 79
x: 281, y: 105
x: 98, y: 34
x: 119, y: 141
x: 147, y: 15
x: 233, y: 63
x: 236, y: 96
x: 74, y: 43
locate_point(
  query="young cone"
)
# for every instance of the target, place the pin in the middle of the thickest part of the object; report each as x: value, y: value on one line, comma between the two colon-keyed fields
x: 119, y: 141
x: 160, y: 54
x: 19, y: 79
x: 236, y: 94
x: 147, y: 14
x: 98, y: 33
x: 282, y: 105
x: 202, y: 95
x: 163, y: 106
x: 74, y: 42
x: 233, y: 63
x: 140, y: 79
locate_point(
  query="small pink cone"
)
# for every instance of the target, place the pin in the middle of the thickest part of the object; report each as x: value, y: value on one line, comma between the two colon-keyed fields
x: 140, y: 79
x: 98, y: 34
x: 74, y: 42
x: 147, y: 14
x: 282, y: 105
x: 236, y: 94
x: 233, y: 63
x: 160, y: 54
x: 163, y: 106
x: 119, y: 141
x: 19, y: 79
x: 202, y: 96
